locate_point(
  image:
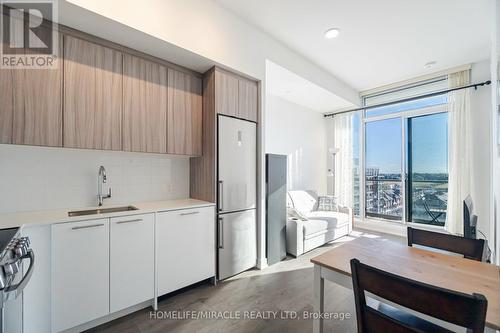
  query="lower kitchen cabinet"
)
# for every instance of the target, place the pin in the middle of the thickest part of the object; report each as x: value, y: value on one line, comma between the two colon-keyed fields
x: 185, y: 247
x: 131, y: 260
x: 36, y: 296
x: 93, y: 269
x: 80, y: 280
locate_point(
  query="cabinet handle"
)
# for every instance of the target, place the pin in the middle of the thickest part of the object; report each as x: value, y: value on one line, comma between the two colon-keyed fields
x: 129, y: 221
x: 221, y: 233
x: 88, y: 226
x: 190, y: 213
x: 221, y: 195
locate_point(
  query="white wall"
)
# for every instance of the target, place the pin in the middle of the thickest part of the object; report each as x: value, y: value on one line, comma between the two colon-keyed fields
x: 481, y: 162
x: 40, y: 178
x: 299, y: 133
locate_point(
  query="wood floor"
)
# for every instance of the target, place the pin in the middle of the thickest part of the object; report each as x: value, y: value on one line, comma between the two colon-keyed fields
x: 286, y: 286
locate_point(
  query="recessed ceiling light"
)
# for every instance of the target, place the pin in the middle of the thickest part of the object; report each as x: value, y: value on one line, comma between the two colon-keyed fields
x: 429, y: 64
x: 332, y: 33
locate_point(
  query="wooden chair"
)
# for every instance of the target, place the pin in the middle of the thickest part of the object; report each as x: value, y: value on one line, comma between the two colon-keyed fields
x: 468, y: 311
x: 469, y: 248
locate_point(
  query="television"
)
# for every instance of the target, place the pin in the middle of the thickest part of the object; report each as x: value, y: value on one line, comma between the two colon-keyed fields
x: 470, y: 220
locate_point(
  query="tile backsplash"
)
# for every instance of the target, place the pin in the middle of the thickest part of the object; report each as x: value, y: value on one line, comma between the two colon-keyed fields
x: 41, y: 178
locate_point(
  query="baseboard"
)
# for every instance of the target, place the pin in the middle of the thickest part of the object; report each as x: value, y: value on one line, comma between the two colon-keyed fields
x: 110, y: 317
x: 381, y: 226
x: 394, y: 228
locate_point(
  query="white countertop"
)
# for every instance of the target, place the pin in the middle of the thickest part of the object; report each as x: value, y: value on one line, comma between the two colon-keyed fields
x: 12, y: 220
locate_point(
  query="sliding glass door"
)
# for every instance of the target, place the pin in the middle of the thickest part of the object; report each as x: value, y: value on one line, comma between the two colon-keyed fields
x: 428, y: 169
x: 405, y: 158
x: 383, y: 172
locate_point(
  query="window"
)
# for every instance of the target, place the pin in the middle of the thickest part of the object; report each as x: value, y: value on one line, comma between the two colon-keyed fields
x: 383, y: 169
x: 407, y: 106
x: 428, y: 168
x: 405, y: 158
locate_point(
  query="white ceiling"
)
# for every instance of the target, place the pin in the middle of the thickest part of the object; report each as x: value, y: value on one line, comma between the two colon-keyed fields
x: 381, y: 41
x: 283, y: 83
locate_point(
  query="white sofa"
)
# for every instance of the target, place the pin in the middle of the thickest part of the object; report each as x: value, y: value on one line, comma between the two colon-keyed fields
x: 309, y: 227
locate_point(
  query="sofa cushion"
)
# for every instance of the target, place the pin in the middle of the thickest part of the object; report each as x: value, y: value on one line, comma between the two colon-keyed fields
x: 333, y: 219
x: 304, y: 201
x: 312, y: 227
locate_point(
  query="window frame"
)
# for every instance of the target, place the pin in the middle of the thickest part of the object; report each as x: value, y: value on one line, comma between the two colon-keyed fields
x: 403, y: 116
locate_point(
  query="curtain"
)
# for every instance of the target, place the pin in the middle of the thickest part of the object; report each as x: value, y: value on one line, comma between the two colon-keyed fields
x: 459, y: 151
x: 342, y: 155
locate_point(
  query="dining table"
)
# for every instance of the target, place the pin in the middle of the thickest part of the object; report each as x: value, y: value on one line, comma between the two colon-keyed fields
x: 420, y: 264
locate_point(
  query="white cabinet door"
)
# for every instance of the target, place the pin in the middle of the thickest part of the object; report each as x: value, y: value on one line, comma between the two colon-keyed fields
x: 131, y: 260
x: 80, y: 272
x: 185, y: 247
x: 37, y: 295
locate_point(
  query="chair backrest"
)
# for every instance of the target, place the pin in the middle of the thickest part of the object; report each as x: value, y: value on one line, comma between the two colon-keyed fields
x: 468, y: 311
x: 469, y: 248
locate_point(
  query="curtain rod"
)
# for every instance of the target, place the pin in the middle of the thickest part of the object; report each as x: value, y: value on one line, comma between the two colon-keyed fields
x: 409, y: 99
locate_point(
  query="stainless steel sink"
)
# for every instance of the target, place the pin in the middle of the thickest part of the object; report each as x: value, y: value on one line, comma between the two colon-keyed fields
x: 101, y: 211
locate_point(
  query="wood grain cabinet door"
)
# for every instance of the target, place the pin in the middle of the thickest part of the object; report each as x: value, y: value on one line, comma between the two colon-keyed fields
x: 184, y: 114
x: 247, y: 100
x: 144, y: 105
x: 6, y: 104
x: 37, y: 105
x: 226, y: 93
x: 92, y: 95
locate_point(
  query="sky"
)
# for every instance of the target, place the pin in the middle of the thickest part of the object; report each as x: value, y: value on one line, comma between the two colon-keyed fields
x: 429, y: 140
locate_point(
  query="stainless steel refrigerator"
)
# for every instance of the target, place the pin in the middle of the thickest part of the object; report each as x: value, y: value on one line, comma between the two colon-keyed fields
x: 237, y: 195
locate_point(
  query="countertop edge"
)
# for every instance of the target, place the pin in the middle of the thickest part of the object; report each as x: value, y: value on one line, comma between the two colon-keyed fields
x: 50, y: 217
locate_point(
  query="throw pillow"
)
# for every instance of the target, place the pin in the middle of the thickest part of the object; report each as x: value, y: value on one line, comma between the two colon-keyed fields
x: 327, y: 203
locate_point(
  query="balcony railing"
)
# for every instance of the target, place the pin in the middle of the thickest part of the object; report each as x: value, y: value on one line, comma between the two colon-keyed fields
x: 427, y: 200
x: 384, y: 199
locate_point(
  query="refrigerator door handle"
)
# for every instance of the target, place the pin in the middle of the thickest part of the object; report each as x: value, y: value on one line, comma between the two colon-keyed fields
x: 221, y: 233
x: 221, y: 188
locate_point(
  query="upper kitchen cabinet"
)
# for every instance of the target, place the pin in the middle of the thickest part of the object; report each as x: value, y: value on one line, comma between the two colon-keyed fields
x: 6, y: 99
x: 247, y: 99
x: 144, y: 105
x: 184, y: 113
x: 37, y: 105
x: 226, y: 93
x: 92, y: 95
x: 235, y: 96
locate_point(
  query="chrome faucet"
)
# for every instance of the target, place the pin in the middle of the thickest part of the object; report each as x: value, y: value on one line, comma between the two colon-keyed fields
x: 101, y: 179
